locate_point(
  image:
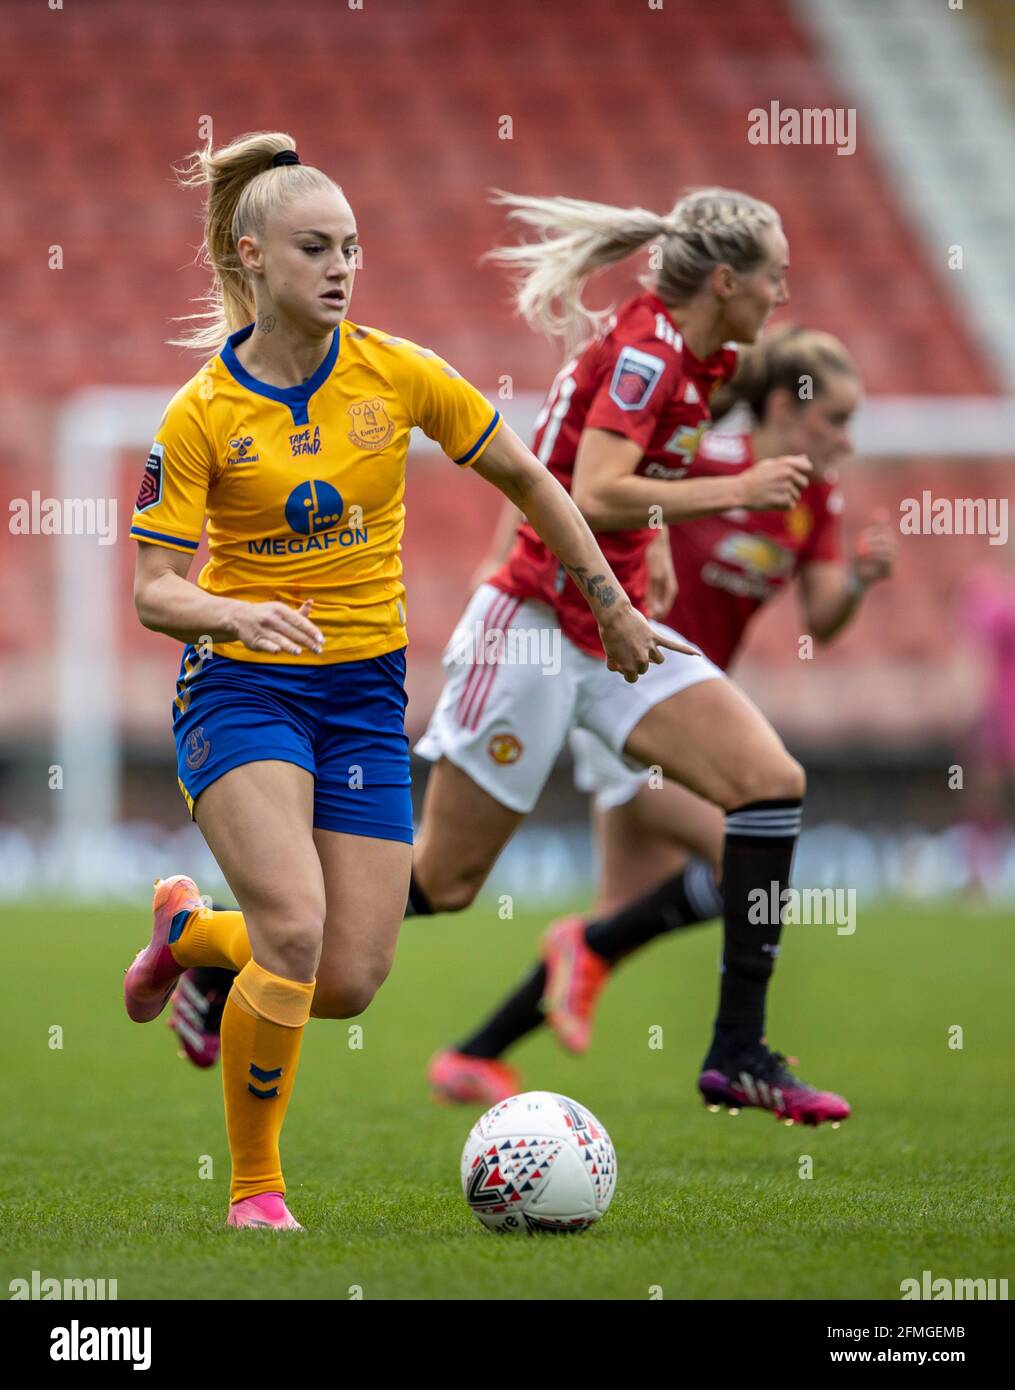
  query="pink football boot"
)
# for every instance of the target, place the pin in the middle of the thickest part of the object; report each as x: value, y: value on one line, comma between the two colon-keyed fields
x: 458, y: 1079
x: 267, y: 1210
x: 575, y: 977
x: 196, y: 1014
x: 759, y: 1078
x: 152, y: 978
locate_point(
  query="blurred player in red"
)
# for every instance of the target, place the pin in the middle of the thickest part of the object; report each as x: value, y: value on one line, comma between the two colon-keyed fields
x: 621, y: 428
x: 725, y: 568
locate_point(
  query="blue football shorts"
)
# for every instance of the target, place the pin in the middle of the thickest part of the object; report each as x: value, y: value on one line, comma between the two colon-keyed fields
x: 344, y: 722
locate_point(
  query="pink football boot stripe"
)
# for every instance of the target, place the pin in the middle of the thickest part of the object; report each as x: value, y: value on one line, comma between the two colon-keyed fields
x: 152, y: 978
x: 193, y: 1022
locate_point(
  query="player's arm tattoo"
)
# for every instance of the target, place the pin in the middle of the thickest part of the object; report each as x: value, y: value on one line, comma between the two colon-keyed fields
x: 594, y: 585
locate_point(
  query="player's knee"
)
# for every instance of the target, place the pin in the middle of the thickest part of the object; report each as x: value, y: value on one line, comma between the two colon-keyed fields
x: 365, y: 985
x: 294, y: 940
x: 339, y: 1004
x: 781, y: 780
x: 350, y: 996
x: 456, y: 891
x: 459, y: 895
x: 790, y: 781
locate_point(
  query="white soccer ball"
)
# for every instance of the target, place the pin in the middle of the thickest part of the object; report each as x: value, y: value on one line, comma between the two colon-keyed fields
x: 538, y: 1162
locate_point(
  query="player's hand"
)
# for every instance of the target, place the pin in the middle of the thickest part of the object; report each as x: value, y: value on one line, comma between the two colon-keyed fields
x: 662, y: 577
x: 632, y: 644
x: 273, y: 627
x: 876, y: 548
x: 775, y: 485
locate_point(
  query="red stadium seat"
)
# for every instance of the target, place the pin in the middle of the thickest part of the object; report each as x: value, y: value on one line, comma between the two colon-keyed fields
x: 418, y: 157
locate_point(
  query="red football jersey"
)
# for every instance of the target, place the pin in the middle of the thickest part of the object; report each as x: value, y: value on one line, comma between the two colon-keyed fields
x: 637, y: 379
x: 728, y: 565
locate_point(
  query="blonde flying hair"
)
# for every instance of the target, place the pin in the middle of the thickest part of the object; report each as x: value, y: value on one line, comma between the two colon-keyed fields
x: 707, y: 227
x: 783, y: 357
x: 243, y: 188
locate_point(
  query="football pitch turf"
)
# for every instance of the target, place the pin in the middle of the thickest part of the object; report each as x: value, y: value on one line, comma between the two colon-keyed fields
x: 107, y: 1136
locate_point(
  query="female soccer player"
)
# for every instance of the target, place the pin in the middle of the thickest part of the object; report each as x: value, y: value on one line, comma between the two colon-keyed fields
x: 292, y: 756
x: 621, y: 427
x: 725, y: 567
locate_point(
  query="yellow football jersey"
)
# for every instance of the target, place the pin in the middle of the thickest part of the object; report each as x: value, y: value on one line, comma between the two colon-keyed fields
x: 302, y: 486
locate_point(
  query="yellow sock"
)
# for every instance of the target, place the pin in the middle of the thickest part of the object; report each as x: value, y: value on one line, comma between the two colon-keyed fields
x: 262, y: 1029
x: 213, y: 938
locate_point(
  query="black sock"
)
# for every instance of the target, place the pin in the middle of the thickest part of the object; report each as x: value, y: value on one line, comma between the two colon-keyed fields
x: 760, y: 839
x: 688, y: 897
x: 209, y: 977
x: 418, y: 904
x: 518, y: 1015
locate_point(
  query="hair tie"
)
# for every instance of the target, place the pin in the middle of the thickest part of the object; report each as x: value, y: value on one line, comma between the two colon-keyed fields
x: 285, y: 157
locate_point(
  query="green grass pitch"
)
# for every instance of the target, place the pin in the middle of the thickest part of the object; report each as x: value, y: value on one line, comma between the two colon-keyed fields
x: 105, y: 1135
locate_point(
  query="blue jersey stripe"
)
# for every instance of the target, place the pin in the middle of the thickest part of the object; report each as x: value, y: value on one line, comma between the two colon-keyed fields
x: 142, y: 534
x: 481, y: 440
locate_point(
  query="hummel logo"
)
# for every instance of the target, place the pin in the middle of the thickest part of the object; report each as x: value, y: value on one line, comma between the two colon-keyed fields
x: 240, y: 447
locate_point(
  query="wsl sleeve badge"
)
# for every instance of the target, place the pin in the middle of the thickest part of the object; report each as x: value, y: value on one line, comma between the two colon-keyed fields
x: 150, y: 491
x: 635, y: 376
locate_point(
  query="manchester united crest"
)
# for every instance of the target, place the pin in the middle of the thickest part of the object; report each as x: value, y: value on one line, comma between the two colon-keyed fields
x: 504, y: 749
x: 372, y: 427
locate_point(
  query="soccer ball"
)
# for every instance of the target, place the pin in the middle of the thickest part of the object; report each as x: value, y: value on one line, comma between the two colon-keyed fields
x: 538, y: 1162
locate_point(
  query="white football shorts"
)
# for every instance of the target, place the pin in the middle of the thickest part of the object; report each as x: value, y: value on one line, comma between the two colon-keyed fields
x: 611, y: 778
x: 515, y: 687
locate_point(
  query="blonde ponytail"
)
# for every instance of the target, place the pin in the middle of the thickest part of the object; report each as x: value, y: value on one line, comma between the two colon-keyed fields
x: 243, y: 188
x: 706, y: 228
x: 576, y: 238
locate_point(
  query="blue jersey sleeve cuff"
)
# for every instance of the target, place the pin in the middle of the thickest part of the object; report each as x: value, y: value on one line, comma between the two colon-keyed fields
x: 141, y: 533
x: 481, y: 441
